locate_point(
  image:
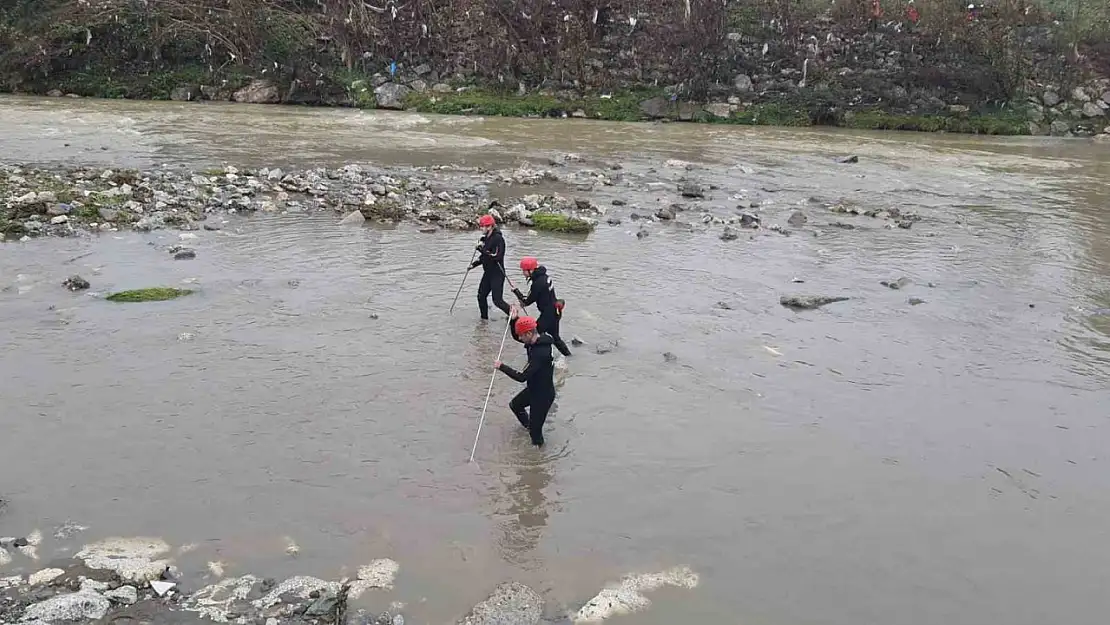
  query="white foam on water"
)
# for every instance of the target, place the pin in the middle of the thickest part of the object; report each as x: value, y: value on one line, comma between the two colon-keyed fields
x: 627, y: 597
x: 214, y: 601
x: 5, y: 557
x: 379, y: 574
x: 34, y: 539
x: 216, y: 568
x: 291, y: 547
x: 133, y: 559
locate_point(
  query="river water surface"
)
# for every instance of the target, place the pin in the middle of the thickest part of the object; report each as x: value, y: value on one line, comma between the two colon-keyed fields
x: 872, y: 461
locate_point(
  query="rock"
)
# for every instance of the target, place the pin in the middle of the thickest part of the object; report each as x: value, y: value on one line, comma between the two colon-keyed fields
x: 958, y: 109
x: 914, y: 301
x: 1050, y: 98
x: 132, y: 559
x: 59, y: 209
x: 212, y: 227
x: 718, y: 109
x: 44, y: 576
x: 419, y: 86
x: 354, y: 218
x: 897, y: 284
x: 391, y: 96
x: 1090, y: 109
x: 905, y: 224
x: 510, y: 603
x: 742, y: 83
x: 642, y: 233
x: 1034, y: 129
x: 665, y: 213
x: 619, y: 202
x: 20, y: 542
x: 184, y: 254
x: 258, y: 92
x: 613, y: 221
x: 749, y: 220
x: 850, y: 159
x: 76, y: 283
x: 723, y: 305
x: 108, y: 214
x: 798, y: 219
x: 809, y: 302
x: 326, y: 607
x: 691, y: 189
x: 441, y: 87
x: 124, y: 595
x: 69, y: 607
x: 186, y: 93
x: 1080, y: 95
x: 59, y: 220
x: 55, y: 93
x: 606, y: 348
x: 577, y: 342
x: 1059, y: 128
x: 728, y: 234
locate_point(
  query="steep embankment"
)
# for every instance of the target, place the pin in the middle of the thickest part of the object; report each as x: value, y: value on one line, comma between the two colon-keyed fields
x: 1014, y: 70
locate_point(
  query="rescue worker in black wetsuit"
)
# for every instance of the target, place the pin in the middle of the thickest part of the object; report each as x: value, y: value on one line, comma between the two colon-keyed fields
x: 491, y: 256
x: 532, y: 404
x: 542, y: 293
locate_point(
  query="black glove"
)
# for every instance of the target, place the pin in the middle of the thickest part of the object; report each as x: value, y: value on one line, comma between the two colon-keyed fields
x: 479, y: 247
x: 519, y: 295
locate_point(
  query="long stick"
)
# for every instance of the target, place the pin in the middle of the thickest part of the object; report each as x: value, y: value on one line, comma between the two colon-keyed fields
x: 489, y: 391
x: 463, y: 283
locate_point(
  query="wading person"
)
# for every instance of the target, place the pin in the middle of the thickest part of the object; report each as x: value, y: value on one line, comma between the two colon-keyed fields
x: 491, y: 256
x: 532, y: 404
x: 541, y: 292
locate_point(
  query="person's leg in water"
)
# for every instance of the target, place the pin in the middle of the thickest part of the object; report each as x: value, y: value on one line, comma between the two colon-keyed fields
x: 550, y: 326
x: 535, y: 422
x: 519, y: 405
x: 497, y: 289
x: 484, y: 288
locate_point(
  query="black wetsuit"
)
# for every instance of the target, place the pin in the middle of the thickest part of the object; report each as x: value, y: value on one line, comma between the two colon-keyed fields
x: 539, y: 390
x: 542, y: 294
x: 491, y: 256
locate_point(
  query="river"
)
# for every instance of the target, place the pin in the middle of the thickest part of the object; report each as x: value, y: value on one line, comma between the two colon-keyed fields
x: 871, y: 461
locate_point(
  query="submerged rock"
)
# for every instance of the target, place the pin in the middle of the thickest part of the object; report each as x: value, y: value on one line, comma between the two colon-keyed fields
x: 76, y: 283
x: 809, y: 302
x: 897, y: 284
x: 728, y: 234
x: 510, y: 603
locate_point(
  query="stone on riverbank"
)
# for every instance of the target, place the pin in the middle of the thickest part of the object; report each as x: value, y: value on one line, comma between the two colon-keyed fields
x: 628, y: 597
x: 76, y: 283
x: 391, y: 96
x: 153, y: 294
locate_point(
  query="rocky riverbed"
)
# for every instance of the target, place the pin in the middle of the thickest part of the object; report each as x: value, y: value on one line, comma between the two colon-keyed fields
x: 38, y: 201
x: 136, y: 580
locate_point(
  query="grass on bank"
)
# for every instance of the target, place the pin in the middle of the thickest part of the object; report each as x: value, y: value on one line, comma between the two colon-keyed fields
x: 555, y: 222
x: 153, y: 294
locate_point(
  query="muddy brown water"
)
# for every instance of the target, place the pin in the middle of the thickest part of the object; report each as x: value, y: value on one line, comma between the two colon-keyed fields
x: 868, y: 462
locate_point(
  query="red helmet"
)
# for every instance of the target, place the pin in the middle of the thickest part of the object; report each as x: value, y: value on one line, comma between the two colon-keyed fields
x: 525, y: 325
x: 485, y: 221
x: 529, y: 263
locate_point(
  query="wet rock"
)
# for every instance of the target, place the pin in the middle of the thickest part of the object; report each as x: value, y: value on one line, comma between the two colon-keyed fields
x: 606, y: 347
x: 642, y: 233
x: 258, y: 92
x: 723, y: 305
x: 20, y: 542
x: 691, y: 189
x: 619, y: 202
x: 56, y: 210
x: 897, y: 284
x: 185, y: 254
x: 354, y: 218
x: 914, y: 301
x: 797, y: 219
x: 669, y: 357
x: 1059, y: 128
x: 124, y: 595
x: 510, y: 603
x: 850, y: 159
x: 391, y: 96
x: 132, y: 559
x: 749, y: 220
x: 577, y: 342
x: 44, y: 576
x: 186, y: 93
x: 326, y: 607
x: 69, y: 607
x: 666, y: 214
x: 728, y: 234
x: 76, y: 283
x: 613, y: 221
x: 809, y: 302
x: 904, y: 224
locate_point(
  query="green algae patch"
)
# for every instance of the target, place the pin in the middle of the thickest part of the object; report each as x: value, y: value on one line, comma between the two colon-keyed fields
x: 154, y: 294
x: 554, y: 222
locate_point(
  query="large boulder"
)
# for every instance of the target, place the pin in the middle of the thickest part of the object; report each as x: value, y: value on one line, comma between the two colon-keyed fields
x: 258, y: 92
x: 391, y: 96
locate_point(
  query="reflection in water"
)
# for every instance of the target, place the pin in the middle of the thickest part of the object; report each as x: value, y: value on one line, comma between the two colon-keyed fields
x: 524, y: 514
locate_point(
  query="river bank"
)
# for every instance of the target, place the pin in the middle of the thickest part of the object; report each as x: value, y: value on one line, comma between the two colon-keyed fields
x: 137, y: 579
